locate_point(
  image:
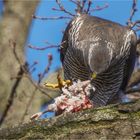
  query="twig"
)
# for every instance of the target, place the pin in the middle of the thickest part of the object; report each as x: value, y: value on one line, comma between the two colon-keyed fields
x: 22, y: 72
x: 75, y: 2
x: 134, y: 23
x: 89, y: 6
x: 43, y: 48
x: 50, y: 58
x: 29, y: 104
x: 79, y: 8
x: 50, y: 18
x: 47, y: 47
x: 40, y: 88
x: 83, y: 3
x: 16, y: 84
x: 98, y: 8
x: 13, y: 46
x: 32, y: 67
x: 32, y: 70
x: 133, y: 10
x: 11, y: 97
x: 35, y: 63
x: 63, y: 9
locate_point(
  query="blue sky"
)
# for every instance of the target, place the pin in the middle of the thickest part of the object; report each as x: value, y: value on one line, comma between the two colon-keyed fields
x: 51, y: 31
x: 42, y: 31
x: 1, y: 7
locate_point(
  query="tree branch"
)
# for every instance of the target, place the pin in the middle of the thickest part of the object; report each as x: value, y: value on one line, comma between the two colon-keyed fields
x: 50, y: 18
x: 43, y: 48
x: 89, y: 6
x: 11, y: 97
x: 133, y: 10
x: 63, y: 9
x: 101, y: 123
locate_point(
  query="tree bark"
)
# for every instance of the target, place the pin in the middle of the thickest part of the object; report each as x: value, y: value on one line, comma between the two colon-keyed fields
x: 15, y: 25
x: 110, y: 122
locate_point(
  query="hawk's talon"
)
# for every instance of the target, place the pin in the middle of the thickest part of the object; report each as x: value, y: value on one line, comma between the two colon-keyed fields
x: 54, y: 86
x: 61, y: 83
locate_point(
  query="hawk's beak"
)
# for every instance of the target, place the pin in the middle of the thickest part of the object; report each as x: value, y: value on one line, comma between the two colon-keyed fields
x: 94, y: 75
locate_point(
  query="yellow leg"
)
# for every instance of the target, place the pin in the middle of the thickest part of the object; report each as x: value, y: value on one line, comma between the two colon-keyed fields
x: 61, y: 83
x: 51, y: 85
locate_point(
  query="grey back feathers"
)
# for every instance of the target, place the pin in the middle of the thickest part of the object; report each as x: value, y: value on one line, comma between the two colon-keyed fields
x: 92, y: 44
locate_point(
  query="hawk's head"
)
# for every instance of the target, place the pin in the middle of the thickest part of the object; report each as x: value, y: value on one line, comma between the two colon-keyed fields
x: 99, y: 58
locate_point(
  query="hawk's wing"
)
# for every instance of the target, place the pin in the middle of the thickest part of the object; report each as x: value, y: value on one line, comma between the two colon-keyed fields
x: 130, y: 63
x: 65, y: 42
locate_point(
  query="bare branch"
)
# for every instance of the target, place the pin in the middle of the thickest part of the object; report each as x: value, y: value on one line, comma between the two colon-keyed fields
x: 50, y: 58
x: 11, y: 97
x: 79, y: 8
x: 133, y: 10
x: 98, y: 8
x: 83, y: 3
x: 50, y: 18
x: 133, y: 24
x: 29, y: 104
x: 89, y: 6
x: 24, y: 71
x: 40, y: 88
x: 63, y: 9
x: 47, y: 47
x: 12, y: 44
x: 43, y: 48
x: 32, y: 67
x: 75, y: 2
x: 41, y: 76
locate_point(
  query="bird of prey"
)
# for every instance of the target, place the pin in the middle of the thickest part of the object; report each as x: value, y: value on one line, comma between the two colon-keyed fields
x: 100, y: 50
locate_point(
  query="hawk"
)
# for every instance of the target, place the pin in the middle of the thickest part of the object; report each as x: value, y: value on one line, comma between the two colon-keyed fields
x: 100, y: 50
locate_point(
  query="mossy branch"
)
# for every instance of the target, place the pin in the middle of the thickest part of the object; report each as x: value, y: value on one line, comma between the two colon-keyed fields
x: 110, y: 122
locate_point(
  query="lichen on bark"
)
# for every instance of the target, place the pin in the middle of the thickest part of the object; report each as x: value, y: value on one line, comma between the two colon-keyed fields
x: 120, y: 121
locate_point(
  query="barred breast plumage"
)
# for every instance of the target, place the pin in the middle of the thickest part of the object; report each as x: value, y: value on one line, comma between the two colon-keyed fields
x: 91, y: 44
